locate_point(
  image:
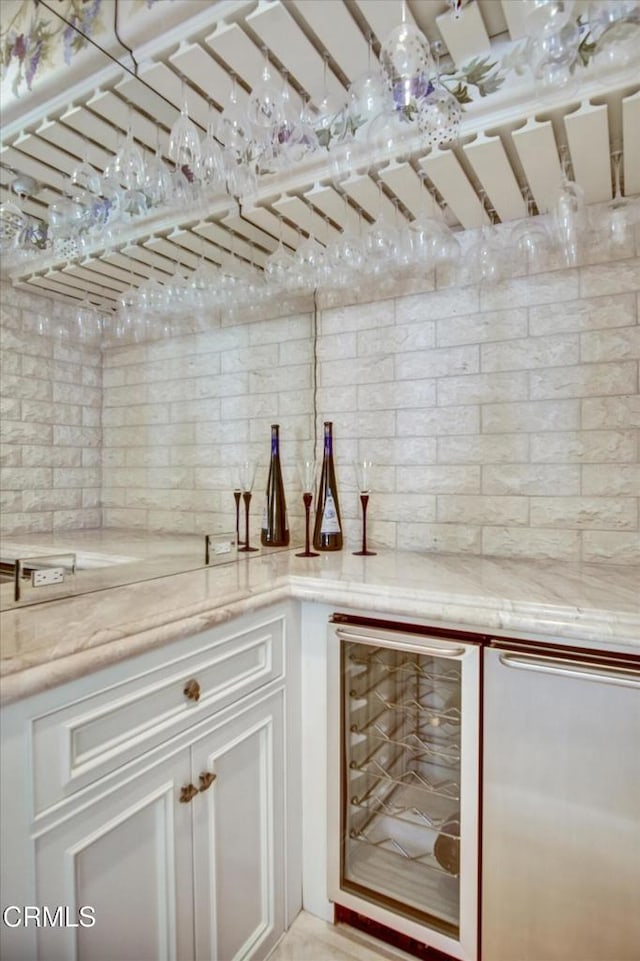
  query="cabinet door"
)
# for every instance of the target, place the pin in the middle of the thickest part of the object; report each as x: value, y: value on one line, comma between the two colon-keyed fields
x: 128, y: 856
x: 238, y: 839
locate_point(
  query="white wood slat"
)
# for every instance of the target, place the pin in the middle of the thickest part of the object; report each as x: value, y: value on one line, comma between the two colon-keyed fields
x: 330, y: 202
x: 493, y: 17
x: 140, y: 252
x: 112, y: 109
x: 178, y: 255
x: 408, y: 187
x: 118, y: 276
x: 336, y: 29
x: 39, y: 149
x: 384, y: 17
x: 86, y: 274
x: 61, y: 135
x: 464, y: 34
x: 445, y: 172
x: 140, y: 95
x: 235, y: 245
x: 128, y: 264
x: 196, y: 64
x: 491, y: 164
x: 170, y: 85
x: 40, y: 201
x: 588, y: 137
x: 536, y: 147
x: 272, y: 224
x: 367, y: 195
x: 54, y: 286
x: 250, y: 231
x: 75, y: 277
x: 198, y: 245
x: 43, y: 173
x: 514, y: 15
x: 245, y: 59
x: 309, y: 221
x: 278, y: 30
x: 631, y: 143
x: 93, y: 127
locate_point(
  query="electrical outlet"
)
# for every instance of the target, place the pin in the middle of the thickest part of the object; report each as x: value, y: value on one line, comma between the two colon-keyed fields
x: 51, y: 575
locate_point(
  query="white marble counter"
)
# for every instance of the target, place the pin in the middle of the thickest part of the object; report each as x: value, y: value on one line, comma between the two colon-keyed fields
x: 47, y: 644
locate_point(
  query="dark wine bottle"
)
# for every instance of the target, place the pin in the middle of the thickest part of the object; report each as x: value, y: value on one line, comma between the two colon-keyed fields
x: 327, y: 532
x: 275, y: 526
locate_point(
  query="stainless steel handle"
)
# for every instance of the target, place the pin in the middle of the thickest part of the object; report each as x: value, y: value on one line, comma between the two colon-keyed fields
x: 588, y: 671
x: 384, y: 640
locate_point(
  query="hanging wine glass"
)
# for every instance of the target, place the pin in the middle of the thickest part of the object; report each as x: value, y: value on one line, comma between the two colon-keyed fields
x: 439, y: 114
x: 619, y: 216
x: 184, y: 139
x: 407, y: 66
x: 569, y: 218
x: 211, y: 167
x: 363, y: 471
x: 307, y: 474
x: 530, y: 241
x: 545, y: 17
x: 486, y: 259
x: 247, y: 478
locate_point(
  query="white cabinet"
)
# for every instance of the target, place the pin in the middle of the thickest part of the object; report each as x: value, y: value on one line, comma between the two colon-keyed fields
x: 177, y: 840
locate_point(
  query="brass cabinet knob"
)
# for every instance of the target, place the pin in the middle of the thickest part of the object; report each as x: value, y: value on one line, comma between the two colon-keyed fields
x: 192, y: 690
x: 206, y: 780
x: 188, y: 793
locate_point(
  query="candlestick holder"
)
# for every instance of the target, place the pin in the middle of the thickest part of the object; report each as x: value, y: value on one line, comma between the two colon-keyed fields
x: 363, y: 471
x: 247, y: 477
x: 307, y: 473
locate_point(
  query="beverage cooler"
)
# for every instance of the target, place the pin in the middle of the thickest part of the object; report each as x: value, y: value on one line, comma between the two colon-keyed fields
x: 403, y: 780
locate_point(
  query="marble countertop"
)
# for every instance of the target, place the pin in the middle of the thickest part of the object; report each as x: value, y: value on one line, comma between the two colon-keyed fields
x: 46, y: 644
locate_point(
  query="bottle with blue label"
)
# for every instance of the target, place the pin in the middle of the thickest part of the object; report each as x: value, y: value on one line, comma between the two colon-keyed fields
x: 327, y: 533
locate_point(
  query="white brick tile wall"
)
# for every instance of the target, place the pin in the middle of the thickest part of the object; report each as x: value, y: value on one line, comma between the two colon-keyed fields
x: 502, y: 420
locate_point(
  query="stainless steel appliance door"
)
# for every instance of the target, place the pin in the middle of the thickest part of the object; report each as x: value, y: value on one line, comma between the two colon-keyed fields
x: 561, y: 811
x: 403, y: 756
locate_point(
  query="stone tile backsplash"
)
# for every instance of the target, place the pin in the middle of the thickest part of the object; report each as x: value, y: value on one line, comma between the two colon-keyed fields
x: 502, y: 421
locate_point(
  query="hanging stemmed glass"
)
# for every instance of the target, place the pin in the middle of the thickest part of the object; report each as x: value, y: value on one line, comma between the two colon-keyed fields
x: 363, y: 470
x: 247, y: 477
x: 307, y: 473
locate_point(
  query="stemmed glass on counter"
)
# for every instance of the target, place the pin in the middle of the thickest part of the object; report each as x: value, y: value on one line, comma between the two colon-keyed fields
x: 247, y: 475
x: 363, y: 470
x: 307, y: 473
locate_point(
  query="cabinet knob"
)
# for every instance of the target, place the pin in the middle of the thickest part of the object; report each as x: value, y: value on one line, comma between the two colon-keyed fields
x: 206, y: 780
x: 192, y: 690
x: 188, y: 793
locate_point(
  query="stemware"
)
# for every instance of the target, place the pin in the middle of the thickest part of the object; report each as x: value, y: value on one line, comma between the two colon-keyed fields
x: 307, y: 473
x: 247, y: 477
x: 184, y: 140
x: 363, y: 470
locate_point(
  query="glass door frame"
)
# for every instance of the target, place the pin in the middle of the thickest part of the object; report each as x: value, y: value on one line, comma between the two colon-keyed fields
x: 418, y: 640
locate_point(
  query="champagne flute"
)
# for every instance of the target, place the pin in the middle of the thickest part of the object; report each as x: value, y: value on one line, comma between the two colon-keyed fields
x: 247, y: 477
x: 307, y: 473
x: 363, y: 470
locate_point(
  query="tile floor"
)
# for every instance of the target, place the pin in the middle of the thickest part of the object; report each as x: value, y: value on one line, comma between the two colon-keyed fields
x: 310, y: 939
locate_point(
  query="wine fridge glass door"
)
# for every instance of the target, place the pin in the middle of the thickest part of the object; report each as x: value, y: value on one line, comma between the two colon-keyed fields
x: 405, y: 798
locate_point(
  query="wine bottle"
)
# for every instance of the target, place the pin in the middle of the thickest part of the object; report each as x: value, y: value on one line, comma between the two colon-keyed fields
x: 275, y: 526
x: 327, y: 532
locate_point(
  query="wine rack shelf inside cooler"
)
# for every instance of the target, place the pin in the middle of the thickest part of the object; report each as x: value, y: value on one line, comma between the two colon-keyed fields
x: 401, y: 727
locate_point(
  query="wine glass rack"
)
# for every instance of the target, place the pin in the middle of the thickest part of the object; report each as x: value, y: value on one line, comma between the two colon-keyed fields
x: 401, y: 778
